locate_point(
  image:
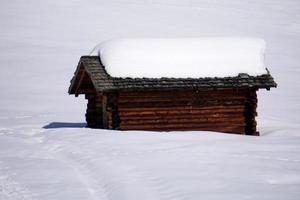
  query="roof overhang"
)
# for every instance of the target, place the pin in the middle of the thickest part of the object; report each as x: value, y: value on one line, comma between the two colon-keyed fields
x: 90, y: 75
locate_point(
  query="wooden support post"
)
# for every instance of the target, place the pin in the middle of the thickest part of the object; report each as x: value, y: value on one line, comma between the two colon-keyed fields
x: 104, y: 111
x: 250, y: 113
x: 112, y: 110
x: 94, y: 110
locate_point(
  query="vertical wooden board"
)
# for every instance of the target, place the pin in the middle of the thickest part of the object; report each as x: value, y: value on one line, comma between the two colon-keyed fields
x: 94, y: 110
x: 250, y: 113
x: 112, y: 110
x: 104, y: 111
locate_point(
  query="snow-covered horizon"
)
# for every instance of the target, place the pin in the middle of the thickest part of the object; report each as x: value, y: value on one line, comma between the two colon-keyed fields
x: 45, y: 153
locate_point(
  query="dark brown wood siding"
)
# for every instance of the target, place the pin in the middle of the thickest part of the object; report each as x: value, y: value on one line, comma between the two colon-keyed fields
x: 228, y: 110
x: 251, y: 113
x: 110, y: 110
x: 231, y: 110
x: 94, y: 110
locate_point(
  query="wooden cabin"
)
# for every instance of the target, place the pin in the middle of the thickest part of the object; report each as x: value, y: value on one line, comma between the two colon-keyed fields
x: 207, y: 84
x: 166, y: 104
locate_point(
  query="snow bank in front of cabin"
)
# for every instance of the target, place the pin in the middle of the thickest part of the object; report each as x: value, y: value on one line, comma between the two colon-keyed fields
x: 90, y: 164
x: 183, y: 57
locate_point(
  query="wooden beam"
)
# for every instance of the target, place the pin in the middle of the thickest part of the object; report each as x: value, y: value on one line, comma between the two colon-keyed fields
x: 86, y: 91
x: 250, y: 113
x: 112, y: 109
x: 189, y: 109
x: 104, y: 111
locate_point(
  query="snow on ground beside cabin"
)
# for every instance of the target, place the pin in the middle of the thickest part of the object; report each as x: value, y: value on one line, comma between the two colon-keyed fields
x: 92, y: 164
x: 40, y: 45
x: 183, y: 57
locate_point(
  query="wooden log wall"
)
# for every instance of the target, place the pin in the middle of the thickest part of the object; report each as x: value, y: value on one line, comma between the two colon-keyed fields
x: 231, y: 110
x: 250, y: 113
x: 94, y: 110
x: 111, y: 118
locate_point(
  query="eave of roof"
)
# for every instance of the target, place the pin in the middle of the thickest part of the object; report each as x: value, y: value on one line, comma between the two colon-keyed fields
x: 102, y: 81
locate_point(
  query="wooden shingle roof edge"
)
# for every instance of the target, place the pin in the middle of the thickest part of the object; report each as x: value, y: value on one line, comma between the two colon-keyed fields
x: 102, y: 81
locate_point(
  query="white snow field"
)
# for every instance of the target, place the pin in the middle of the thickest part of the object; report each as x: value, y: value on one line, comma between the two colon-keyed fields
x: 183, y: 57
x: 45, y: 153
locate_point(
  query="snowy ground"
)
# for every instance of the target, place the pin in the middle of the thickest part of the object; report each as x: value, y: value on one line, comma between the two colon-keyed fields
x: 46, y: 154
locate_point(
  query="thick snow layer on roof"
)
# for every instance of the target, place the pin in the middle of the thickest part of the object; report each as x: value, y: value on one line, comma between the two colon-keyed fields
x: 183, y: 57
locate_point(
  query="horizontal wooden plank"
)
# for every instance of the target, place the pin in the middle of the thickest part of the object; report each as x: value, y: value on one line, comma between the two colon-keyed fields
x: 179, y: 114
x: 176, y: 98
x: 233, y: 130
x: 170, y: 93
x: 178, y: 104
x: 208, y: 127
x: 199, y: 121
x: 186, y: 124
x: 180, y: 109
x: 181, y: 98
x: 140, y: 116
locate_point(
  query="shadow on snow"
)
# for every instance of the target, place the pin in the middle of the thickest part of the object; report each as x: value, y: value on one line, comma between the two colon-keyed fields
x: 64, y: 125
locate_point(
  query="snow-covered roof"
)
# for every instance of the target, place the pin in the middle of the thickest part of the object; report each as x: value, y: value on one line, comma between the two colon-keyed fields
x: 92, y: 68
x: 183, y: 57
